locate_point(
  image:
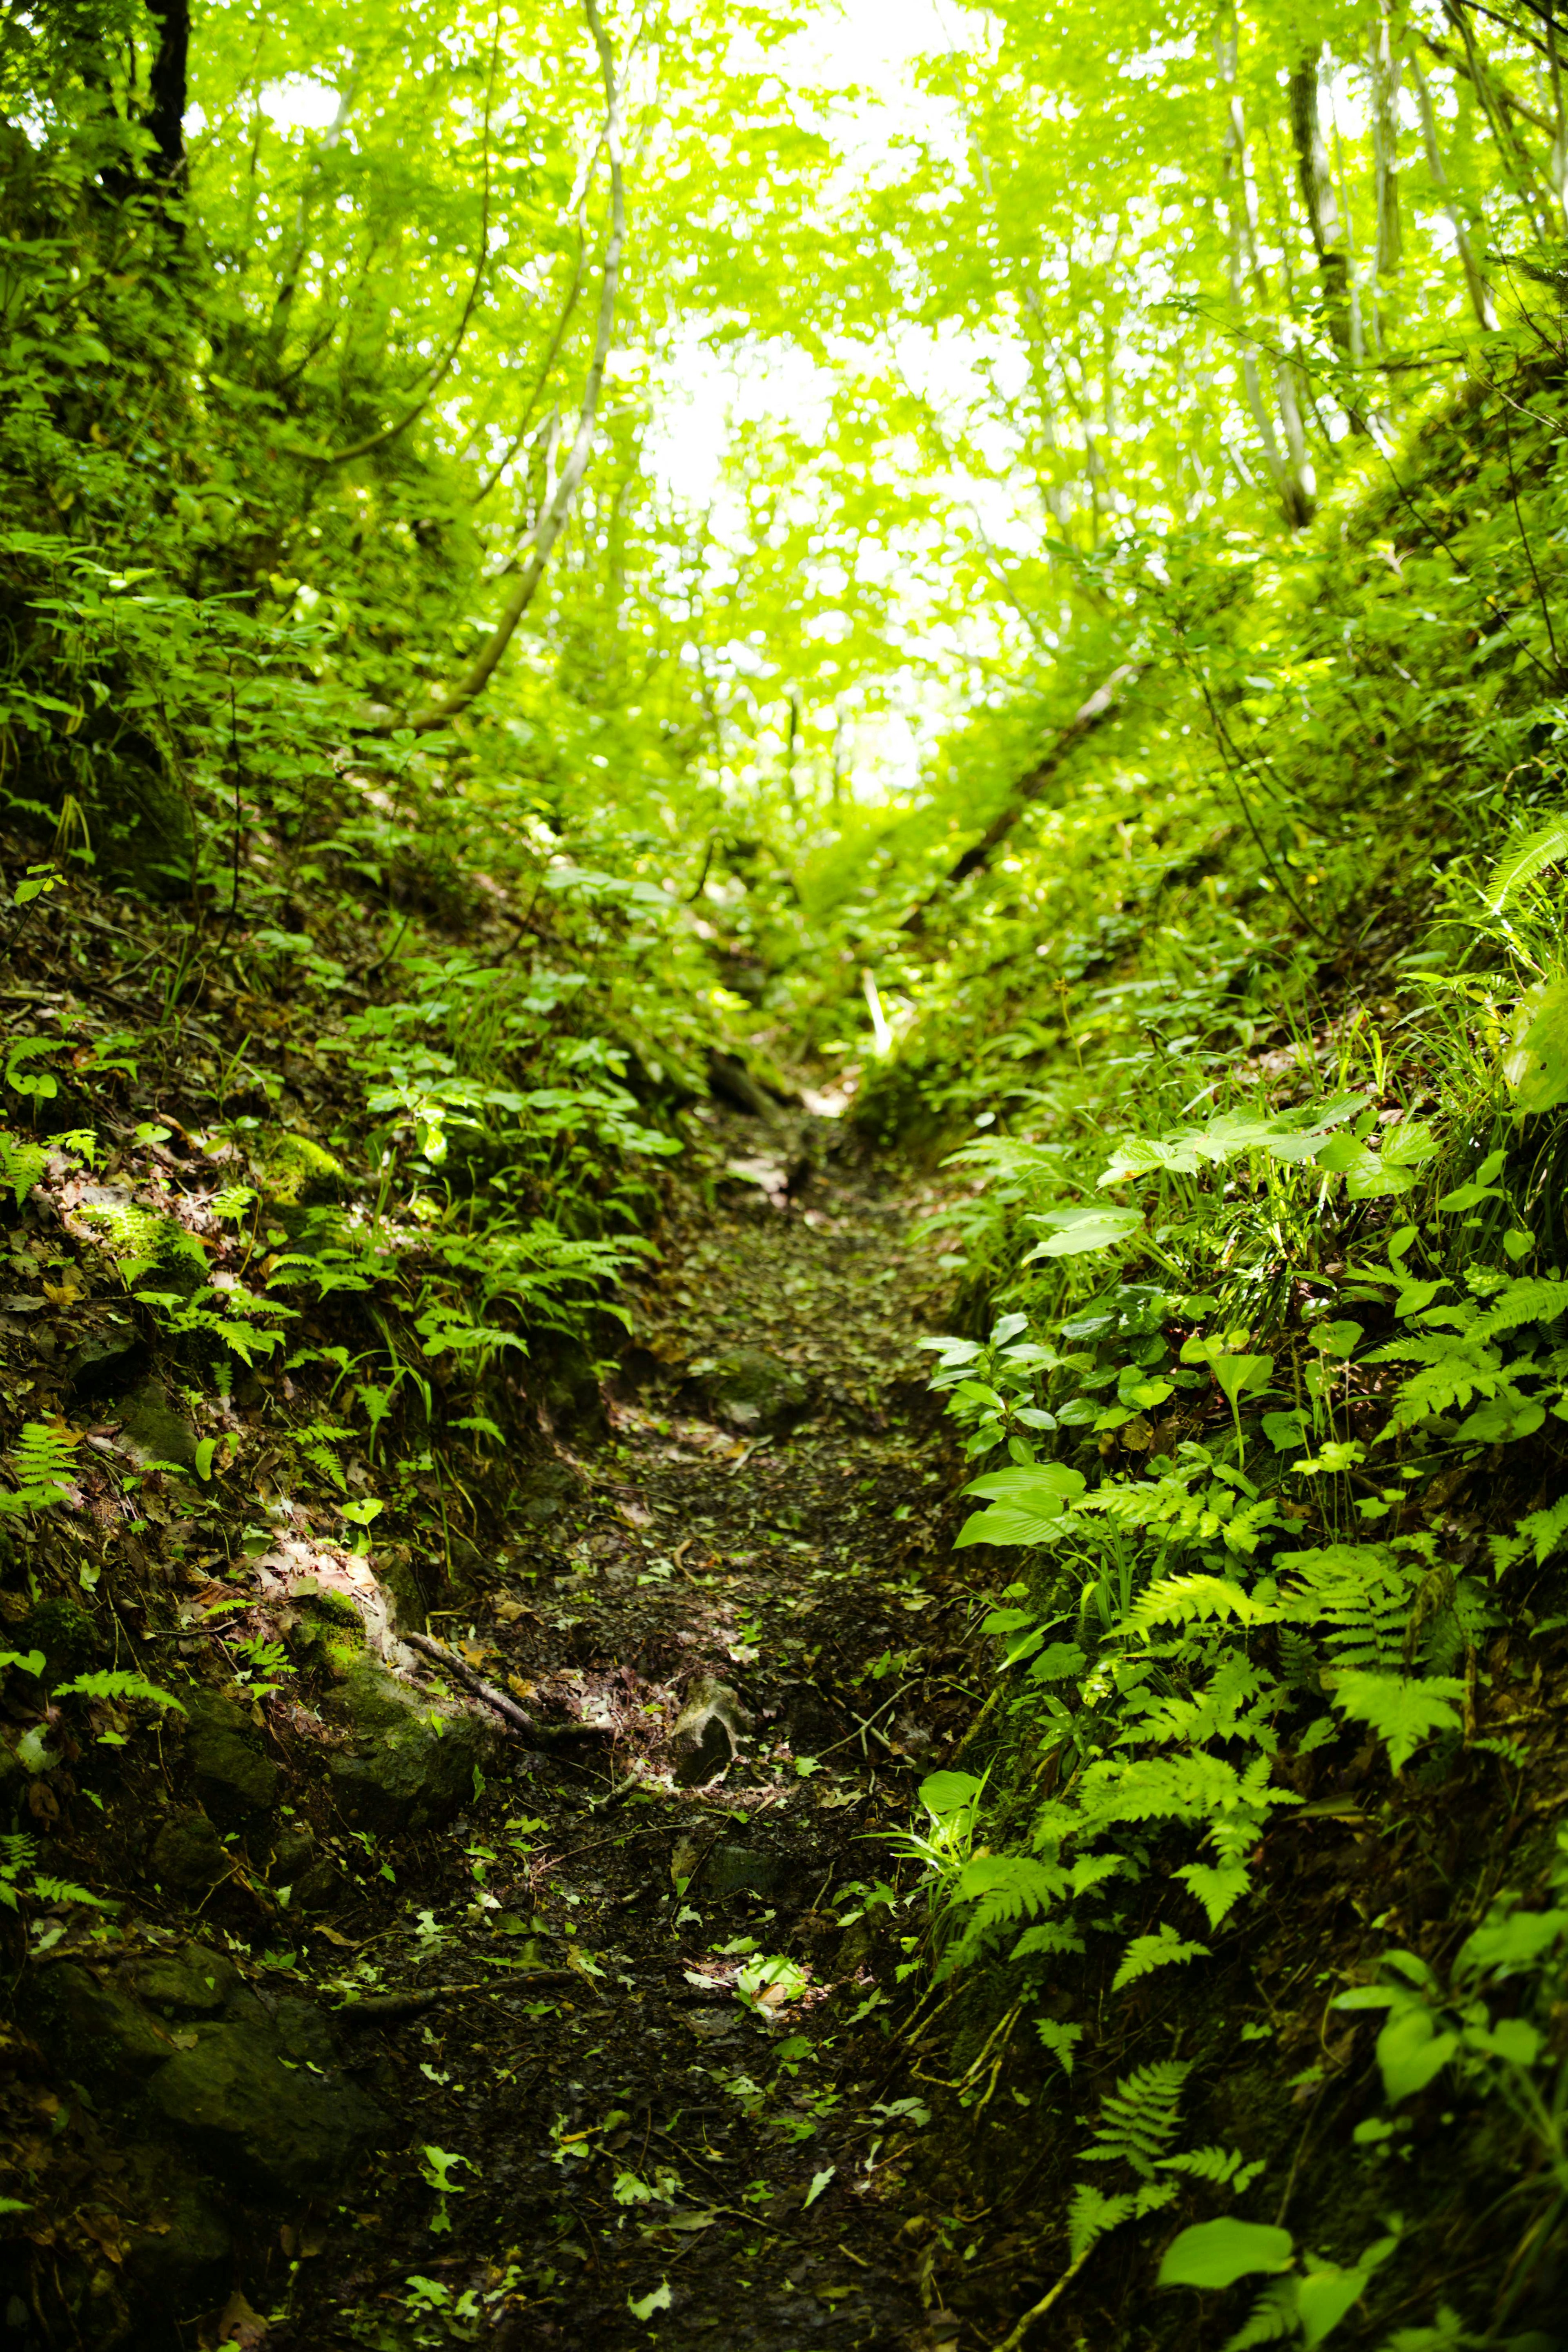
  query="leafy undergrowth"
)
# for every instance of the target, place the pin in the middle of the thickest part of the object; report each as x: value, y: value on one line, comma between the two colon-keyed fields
x: 1252, y: 1889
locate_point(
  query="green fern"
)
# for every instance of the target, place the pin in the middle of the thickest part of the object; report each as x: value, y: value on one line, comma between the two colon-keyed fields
x: 1195, y: 1600
x: 22, y: 1165
x: 1225, y: 2167
x: 233, y: 1200
x: 18, y: 1858
x: 1146, y: 1953
x: 1403, y: 1713
x: 1360, y: 1596
x: 1548, y: 846
x: 314, y: 1443
x: 112, y: 1685
x: 1138, y: 2119
x: 42, y: 1457
x: 1006, y: 1888
x: 1061, y: 2040
x: 128, y: 1231
x: 18, y: 1852
x: 1090, y: 2215
x: 65, y: 1890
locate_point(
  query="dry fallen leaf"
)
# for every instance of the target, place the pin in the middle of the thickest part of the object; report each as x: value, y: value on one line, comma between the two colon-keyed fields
x: 241, y: 2326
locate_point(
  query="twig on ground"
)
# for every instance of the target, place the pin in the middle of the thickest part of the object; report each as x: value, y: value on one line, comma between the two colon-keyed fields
x: 542, y: 1735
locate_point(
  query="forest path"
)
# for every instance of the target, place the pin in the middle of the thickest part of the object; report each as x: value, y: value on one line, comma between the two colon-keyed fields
x: 628, y: 2126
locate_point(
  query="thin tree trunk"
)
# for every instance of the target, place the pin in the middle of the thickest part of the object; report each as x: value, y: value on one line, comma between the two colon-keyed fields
x: 1500, y: 106
x: 1103, y: 704
x: 1290, y: 484
x: 1320, y: 201
x: 1475, y: 285
x: 1385, y: 75
x: 553, y: 521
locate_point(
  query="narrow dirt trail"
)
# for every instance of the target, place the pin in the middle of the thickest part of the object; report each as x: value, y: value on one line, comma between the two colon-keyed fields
x: 623, y: 2102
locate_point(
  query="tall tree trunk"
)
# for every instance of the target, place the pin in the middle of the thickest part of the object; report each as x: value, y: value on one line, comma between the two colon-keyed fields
x: 1321, y: 203
x: 553, y: 521
x: 1475, y: 285
x: 1385, y: 75
x: 1292, y: 484
x: 165, y: 114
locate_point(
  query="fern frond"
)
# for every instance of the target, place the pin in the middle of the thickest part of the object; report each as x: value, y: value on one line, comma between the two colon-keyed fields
x: 112, y: 1685
x: 1219, y: 1886
x: 22, y: 1165
x: 1052, y: 1935
x: 1225, y: 2166
x: 1531, y: 856
x: 1090, y: 2215
x: 1139, y: 2117
x: 1061, y: 2040
x: 43, y: 1459
x: 1272, y: 2316
x: 1195, y: 1600
x: 1146, y: 1953
x: 1007, y: 1887
x: 1402, y: 1712
x: 62, y: 1890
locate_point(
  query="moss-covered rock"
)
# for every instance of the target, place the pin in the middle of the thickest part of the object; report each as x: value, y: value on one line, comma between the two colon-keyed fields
x: 182, y: 2254
x: 411, y: 1760
x: 191, y: 1980
x: 98, y: 2032
x: 66, y: 1635
x: 293, y: 1169
x: 188, y: 1854
x: 753, y: 1391
x: 243, y: 2096
x: 235, y: 1781
x: 151, y: 1430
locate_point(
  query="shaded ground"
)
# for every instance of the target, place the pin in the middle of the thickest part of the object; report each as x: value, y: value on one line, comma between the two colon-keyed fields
x: 625, y: 2103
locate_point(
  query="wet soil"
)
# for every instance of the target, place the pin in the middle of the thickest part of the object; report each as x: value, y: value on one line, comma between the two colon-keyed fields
x: 642, y: 2029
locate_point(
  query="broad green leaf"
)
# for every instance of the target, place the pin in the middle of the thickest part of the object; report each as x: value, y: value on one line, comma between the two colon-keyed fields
x: 1213, y: 2254
x: 1075, y: 1233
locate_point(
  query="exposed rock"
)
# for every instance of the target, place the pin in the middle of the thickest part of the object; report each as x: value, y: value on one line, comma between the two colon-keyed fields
x: 102, y: 2034
x: 188, y: 1852
x: 413, y: 1758
x: 293, y: 1170
x: 707, y: 1731
x: 543, y: 1490
x: 743, y: 1869
x: 66, y: 1635
x: 235, y: 1783
x: 151, y: 1430
x: 293, y: 1851
x: 733, y: 1083
x: 753, y: 1391
x: 185, y: 2256
x: 105, y: 1365
x: 320, y: 1888
x: 193, y: 1980
x: 244, y: 2097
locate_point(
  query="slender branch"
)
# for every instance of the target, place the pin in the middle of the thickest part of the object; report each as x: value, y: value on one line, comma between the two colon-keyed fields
x: 1541, y: 596
x: 553, y: 521
x: 373, y: 441
x: 551, y: 354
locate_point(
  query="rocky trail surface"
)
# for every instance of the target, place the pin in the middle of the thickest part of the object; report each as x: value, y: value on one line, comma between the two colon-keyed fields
x: 520, y: 1969
x: 636, y: 2036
